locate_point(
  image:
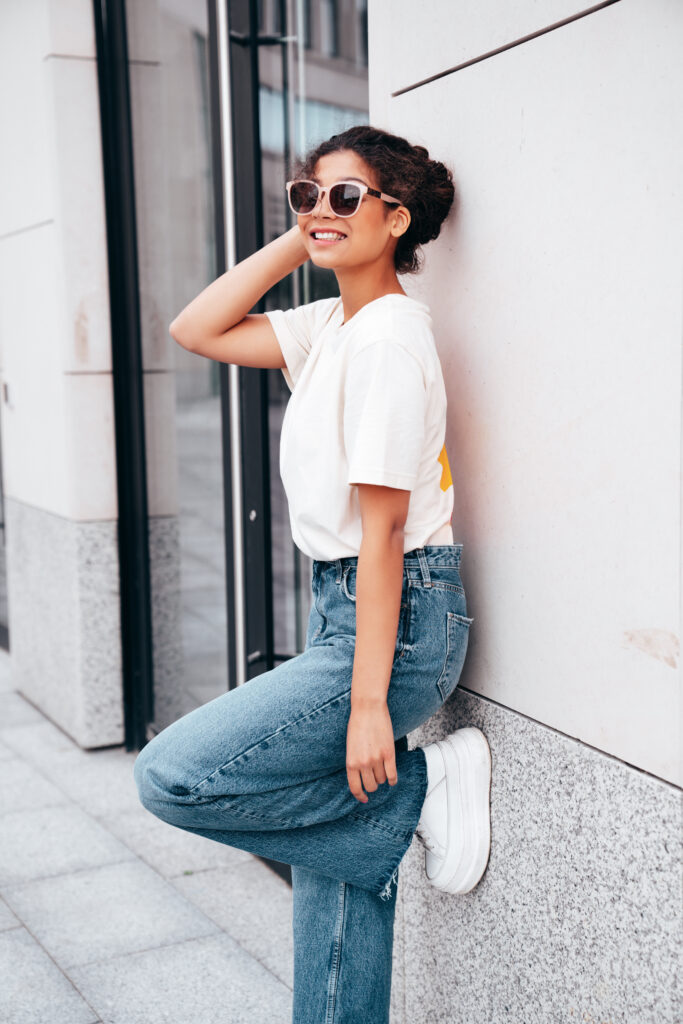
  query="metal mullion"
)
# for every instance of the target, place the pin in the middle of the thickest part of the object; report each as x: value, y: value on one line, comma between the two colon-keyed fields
x: 127, y: 369
x: 223, y: 166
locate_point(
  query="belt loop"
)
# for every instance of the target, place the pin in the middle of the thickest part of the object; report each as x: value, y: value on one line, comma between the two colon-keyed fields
x: 338, y: 563
x: 424, y: 568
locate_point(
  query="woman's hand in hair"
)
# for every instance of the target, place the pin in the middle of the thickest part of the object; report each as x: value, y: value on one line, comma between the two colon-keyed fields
x: 216, y: 323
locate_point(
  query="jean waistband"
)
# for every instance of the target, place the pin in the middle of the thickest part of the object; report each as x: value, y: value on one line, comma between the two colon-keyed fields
x: 418, y: 558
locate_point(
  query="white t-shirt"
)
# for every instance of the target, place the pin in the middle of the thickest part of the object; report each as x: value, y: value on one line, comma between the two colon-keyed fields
x: 368, y: 405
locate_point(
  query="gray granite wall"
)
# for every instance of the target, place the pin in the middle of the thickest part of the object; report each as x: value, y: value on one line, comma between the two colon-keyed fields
x: 578, y: 917
x: 171, y: 699
x: 64, y: 620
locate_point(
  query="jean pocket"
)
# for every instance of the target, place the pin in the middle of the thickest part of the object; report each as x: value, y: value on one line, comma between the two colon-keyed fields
x: 457, y: 633
x: 345, y: 583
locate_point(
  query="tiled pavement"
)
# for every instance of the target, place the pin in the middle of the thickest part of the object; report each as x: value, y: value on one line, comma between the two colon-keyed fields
x: 110, y: 916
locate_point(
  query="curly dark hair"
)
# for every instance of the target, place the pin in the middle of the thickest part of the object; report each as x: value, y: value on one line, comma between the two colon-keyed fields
x: 423, y: 185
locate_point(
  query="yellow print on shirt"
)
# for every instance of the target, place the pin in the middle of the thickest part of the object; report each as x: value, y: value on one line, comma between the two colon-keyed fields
x: 446, y: 478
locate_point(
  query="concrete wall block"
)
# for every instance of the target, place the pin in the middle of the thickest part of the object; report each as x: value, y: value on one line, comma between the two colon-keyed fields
x: 33, y: 409
x: 26, y: 171
x: 84, y: 328
x: 64, y: 621
x: 171, y: 699
x: 578, y: 915
x: 91, y: 447
x: 71, y: 29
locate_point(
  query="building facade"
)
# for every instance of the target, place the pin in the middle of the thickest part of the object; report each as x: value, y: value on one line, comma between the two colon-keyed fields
x: 556, y: 294
x: 149, y: 558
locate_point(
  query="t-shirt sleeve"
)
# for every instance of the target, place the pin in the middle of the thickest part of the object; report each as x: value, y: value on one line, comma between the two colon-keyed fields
x: 384, y: 415
x: 294, y: 332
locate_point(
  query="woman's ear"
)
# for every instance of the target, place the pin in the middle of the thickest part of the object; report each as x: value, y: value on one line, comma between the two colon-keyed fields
x: 401, y: 221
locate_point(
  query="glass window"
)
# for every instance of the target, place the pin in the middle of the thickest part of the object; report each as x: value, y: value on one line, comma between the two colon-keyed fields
x: 307, y: 31
x: 299, y: 106
x: 177, y: 259
x: 362, y: 32
x: 329, y: 28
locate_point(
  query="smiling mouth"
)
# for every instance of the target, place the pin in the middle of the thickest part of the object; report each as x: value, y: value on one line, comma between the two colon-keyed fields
x: 327, y: 236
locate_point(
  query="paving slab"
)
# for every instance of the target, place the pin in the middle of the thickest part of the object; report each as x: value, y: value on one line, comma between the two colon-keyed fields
x: 34, y: 990
x: 207, y: 981
x: 253, y: 905
x: 170, y: 851
x: 91, y: 915
x: 23, y: 787
x: 99, y: 781
x: 15, y: 710
x: 38, y: 742
x: 6, y: 683
x: 7, y: 918
x: 52, y: 841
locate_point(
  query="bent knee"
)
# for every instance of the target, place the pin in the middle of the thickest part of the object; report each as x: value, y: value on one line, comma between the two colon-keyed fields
x: 158, y: 779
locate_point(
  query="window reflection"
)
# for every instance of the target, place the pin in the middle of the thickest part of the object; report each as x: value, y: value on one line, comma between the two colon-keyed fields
x: 314, y: 86
x: 311, y: 85
x: 177, y: 259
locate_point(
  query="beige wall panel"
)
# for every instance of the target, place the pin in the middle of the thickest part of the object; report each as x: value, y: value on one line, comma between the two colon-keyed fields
x: 556, y: 295
x: 82, y: 330
x: 32, y: 402
x: 26, y: 197
x: 428, y: 38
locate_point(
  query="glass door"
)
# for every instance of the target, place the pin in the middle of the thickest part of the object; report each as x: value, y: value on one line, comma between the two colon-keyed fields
x: 311, y: 76
x: 173, y: 137
x: 225, y: 96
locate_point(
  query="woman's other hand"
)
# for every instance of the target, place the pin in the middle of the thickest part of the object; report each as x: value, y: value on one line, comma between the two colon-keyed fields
x: 370, y: 753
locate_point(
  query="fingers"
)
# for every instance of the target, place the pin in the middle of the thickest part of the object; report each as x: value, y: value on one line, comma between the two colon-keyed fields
x: 353, y: 775
x: 369, y: 780
x: 372, y: 776
x: 390, y: 765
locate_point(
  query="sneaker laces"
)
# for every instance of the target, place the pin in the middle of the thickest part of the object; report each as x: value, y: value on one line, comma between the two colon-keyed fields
x: 425, y: 838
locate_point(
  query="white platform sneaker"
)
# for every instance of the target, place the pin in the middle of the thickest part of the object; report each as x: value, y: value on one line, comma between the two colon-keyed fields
x: 455, y: 823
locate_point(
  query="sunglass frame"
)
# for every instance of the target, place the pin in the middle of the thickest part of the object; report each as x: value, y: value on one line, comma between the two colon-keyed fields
x: 327, y: 189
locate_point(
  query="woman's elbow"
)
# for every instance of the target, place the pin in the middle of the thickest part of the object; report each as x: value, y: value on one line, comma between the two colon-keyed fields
x: 176, y: 333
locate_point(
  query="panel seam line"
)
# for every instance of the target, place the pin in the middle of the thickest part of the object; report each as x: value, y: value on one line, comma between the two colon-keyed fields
x: 505, y: 46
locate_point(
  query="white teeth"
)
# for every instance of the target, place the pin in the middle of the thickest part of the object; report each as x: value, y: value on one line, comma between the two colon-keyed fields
x: 327, y: 234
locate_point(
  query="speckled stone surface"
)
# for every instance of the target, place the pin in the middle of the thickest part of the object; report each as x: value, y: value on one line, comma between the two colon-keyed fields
x: 26, y: 967
x: 209, y: 980
x: 578, y: 916
x: 171, y: 700
x: 63, y: 577
x: 253, y: 905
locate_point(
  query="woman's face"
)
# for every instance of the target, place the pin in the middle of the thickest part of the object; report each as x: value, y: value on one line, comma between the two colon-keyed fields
x: 366, y: 237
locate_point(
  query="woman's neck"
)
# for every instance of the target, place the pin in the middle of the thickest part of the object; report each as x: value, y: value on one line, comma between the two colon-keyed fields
x: 360, y: 285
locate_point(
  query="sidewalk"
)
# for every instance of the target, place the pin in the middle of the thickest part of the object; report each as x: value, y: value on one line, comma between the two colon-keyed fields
x: 110, y: 916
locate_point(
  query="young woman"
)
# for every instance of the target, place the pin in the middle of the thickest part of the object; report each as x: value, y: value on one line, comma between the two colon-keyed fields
x: 309, y: 763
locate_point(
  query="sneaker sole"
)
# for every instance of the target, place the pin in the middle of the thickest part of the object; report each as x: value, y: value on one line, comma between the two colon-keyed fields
x: 467, y: 756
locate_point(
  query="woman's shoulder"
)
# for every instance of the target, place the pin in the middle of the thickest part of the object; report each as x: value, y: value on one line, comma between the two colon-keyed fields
x: 318, y: 312
x: 401, y: 321
x: 304, y: 322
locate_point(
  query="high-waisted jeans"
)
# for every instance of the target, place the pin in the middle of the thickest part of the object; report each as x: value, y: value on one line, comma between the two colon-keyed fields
x: 263, y: 768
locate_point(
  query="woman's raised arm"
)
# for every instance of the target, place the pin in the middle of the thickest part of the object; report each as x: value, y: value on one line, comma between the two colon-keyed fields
x: 216, y: 323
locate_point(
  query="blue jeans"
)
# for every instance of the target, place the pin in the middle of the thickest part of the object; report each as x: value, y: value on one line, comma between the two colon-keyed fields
x: 263, y: 768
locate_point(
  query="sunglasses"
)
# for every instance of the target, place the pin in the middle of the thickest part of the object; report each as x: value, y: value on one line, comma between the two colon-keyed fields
x: 344, y: 197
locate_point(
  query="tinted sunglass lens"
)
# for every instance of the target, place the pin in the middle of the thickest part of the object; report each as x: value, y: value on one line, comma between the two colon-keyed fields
x: 344, y: 199
x: 303, y: 196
